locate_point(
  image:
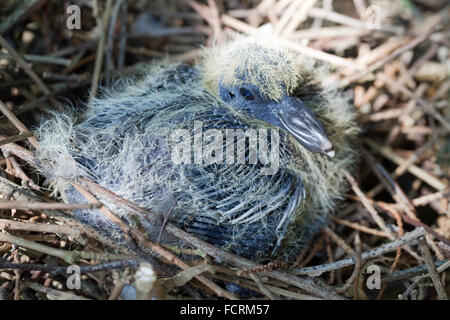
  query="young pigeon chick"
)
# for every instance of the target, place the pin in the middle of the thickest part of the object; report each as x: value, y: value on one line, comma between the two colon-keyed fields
x: 246, y: 149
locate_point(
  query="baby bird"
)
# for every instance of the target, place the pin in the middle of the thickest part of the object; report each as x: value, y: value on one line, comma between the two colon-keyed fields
x: 246, y: 150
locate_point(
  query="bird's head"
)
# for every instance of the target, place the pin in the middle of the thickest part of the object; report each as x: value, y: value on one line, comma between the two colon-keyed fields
x: 258, y: 80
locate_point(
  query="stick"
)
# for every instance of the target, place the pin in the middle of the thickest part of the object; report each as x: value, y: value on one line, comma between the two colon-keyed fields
x: 100, y: 50
x: 122, y: 35
x: 70, y: 257
x: 366, y: 203
x: 23, y: 11
x: 414, y: 271
x: 307, y: 51
x: 110, y: 40
x: 19, y: 205
x: 16, y: 138
x: 17, y: 123
x: 316, y: 271
x: 442, y: 295
x: 415, y: 170
x: 39, y: 227
x: 410, y: 45
x: 55, y: 294
x: 54, y: 270
x: 21, y: 62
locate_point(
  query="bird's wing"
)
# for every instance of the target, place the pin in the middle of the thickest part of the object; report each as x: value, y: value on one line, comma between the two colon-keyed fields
x: 126, y: 112
x: 237, y: 205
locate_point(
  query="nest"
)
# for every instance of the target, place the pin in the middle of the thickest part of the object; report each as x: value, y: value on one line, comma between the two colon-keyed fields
x: 395, y: 218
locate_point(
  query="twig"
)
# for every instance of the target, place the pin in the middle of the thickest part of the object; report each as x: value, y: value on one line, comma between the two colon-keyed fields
x: 339, y: 241
x: 102, y: 208
x: 442, y: 295
x: 366, y: 203
x: 142, y: 240
x: 19, y: 173
x: 418, y: 172
x: 12, y: 190
x: 16, y: 138
x: 410, y: 45
x: 264, y: 289
x: 19, y: 205
x: 428, y: 107
x: 414, y: 222
x: 307, y: 51
x: 24, y: 10
x: 327, y: 33
x: 306, y: 284
x: 424, y: 200
x: 361, y: 228
x: 182, y: 265
x: 39, y: 227
x: 211, y: 14
x: 316, y: 248
x: 54, y: 270
x: 358, y: 266
x: 110, y: 40
x: 408, y: 291
x: 349, y: 21
x: 414, y: 271
x: 70, y: 257
x: 40, y: 59
x: 296, y: 15
x: 360, y: 7
x: 121, y: 283
x: 122, y: 35
x: 290, y: 294
x: 21, y: 62
x: 393, y: 188
x: 100, y: 50
x: 17, y: 123
x: 55, y: 294
x: 330, y: 260
x: 376, y: 252
x: 121, y: 224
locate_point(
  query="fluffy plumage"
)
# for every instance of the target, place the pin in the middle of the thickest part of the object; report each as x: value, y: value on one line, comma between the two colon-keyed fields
x: 124, y: 143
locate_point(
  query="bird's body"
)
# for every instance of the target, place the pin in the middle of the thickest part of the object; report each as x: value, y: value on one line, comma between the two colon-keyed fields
x: 130, y: 137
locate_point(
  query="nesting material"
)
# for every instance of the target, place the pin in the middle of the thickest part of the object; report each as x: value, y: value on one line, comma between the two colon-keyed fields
x: 432, y: 72
x: 125, y: 139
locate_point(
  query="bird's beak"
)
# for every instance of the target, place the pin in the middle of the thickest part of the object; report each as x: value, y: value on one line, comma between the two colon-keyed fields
x: 303, y: 125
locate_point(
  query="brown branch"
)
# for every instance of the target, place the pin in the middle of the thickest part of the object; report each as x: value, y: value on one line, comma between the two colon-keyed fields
x: 442, y: 295
x: 19, y: 205
x: 376, y: 252
x: 357, y: 269
x: 17, y: 123
x: 16, y: 138
x: 21, y: 62
x: 100, y: 49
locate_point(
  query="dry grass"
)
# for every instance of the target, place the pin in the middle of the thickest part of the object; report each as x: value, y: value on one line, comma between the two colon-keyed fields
x: 396, y: 217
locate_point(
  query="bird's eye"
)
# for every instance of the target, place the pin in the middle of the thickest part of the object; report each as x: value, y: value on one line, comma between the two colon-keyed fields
x: 246, y: 94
